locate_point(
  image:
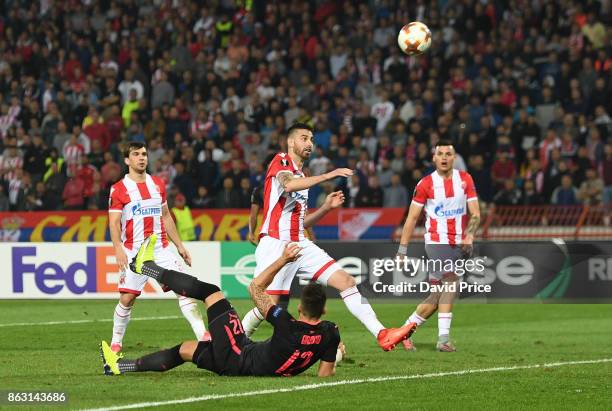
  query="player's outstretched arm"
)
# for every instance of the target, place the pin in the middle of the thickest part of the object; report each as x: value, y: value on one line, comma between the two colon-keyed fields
x: 291, y: 184
x: 258, y: 286
x: 173, y: 234
x: 333, y: 200
x: 413, y: 215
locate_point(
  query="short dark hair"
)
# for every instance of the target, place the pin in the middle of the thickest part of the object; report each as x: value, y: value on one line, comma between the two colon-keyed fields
x: 444, y: 143
x: 298, y: 126
x: 133, y: 145
x: 313, y: 300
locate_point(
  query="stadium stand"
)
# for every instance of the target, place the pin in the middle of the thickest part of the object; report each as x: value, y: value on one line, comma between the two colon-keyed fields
x: 211, y: 86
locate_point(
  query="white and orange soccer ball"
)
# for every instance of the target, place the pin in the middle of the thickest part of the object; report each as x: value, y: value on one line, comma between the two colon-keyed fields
x: 414, y: 38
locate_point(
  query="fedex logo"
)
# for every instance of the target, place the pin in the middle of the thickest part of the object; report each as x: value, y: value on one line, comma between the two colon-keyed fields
x: 93, y: 275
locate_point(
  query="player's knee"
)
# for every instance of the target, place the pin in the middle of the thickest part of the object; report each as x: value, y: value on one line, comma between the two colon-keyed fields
x: 127, y: 299
x: 187, y: 349
x: 341, y: 280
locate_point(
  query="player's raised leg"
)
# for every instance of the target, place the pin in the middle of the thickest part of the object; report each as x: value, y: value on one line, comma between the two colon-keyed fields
x: 182, y: 284
x: 189, y: 307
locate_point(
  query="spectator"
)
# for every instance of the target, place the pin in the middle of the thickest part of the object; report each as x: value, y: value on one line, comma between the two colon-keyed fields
x: 481, y: 177
x: 97, y: 130
x: 72, y: 154
x: 228, y: 196
x: 11, y: 160
x: 4, y: 200
x: 163, y: 92
x: 530, y: 196
x: 591, y: 190
x: 318, y: 164
x: 61, y: 137
x: 244, y: 193
x: 385, y: 173
x: 72, y: 194
x: 509, y: 195
x: 110, y: 171
x: 203, y: 198
x: 370, y: 195
x: 96, y: 155
x: 503, y: 169
x: 395, y: 195
x: 237, y: 173
x: 183, y: 181
x: 183, y: 218
x: 37, y: 199
x: 382, y: 111
x: 566, y: 193
x: 130, y: 106
x: 130, y: 83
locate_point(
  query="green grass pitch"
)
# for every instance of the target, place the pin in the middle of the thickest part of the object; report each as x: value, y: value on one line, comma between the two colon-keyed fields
x: 64, y: 357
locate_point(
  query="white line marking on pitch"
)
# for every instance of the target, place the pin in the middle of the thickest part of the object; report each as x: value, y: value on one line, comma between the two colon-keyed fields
x: 344, y: 382
x: 104, y: 320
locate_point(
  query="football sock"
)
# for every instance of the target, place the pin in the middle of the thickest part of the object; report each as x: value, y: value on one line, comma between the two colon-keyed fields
x: 192, y: 313
x: 360, y: 308
x: 181, y: 283
x: 121, y: 318
x: 251, y: 321
x: 444, y: 324
x: 158, y: 361
x: 415, y: 318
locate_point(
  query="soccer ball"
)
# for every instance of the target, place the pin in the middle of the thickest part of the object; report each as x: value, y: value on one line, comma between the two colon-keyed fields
x: 414, y: 38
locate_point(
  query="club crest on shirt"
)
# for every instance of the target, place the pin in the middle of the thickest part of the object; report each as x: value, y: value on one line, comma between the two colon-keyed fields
x: 463, y: 185
x: 284, y: 162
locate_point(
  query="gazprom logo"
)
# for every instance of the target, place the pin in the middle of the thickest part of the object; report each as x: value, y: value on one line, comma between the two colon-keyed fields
x: 298, y: 196
x: 138, y: 210
x: 441, y: 212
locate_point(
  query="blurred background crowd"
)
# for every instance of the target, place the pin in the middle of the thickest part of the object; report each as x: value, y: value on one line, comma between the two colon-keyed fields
x: 522, y: 88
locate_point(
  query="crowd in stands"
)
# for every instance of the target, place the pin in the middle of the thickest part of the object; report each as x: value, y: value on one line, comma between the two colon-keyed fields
x: 522, y: 88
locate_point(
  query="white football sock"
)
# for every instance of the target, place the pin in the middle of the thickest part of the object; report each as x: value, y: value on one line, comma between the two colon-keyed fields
x: 251, y: 321
x: 121, y: 318
x: 415, y: 318
x: 361, y: 308
x: 444, y: 323
x: 192, y: 313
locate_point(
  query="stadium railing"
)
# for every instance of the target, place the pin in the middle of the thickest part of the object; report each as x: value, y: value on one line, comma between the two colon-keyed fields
x: 581, y: 222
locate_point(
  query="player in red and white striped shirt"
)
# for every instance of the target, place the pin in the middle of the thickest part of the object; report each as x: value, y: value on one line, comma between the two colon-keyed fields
x: 137, y: 209
x: 285, y: 205
x: 452, y: 217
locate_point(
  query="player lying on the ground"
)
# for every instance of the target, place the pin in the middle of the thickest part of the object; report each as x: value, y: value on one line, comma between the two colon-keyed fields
x: 294, y: 346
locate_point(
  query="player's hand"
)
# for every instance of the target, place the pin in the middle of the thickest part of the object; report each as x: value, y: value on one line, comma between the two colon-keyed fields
x: 252, y: 238
x: 291, y: 252
x: 184, y: 253
x: 121, y: 257
x: 340, y: 172
x: 341, y: 352
x: 467, y: 246
x: 334, y: 200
